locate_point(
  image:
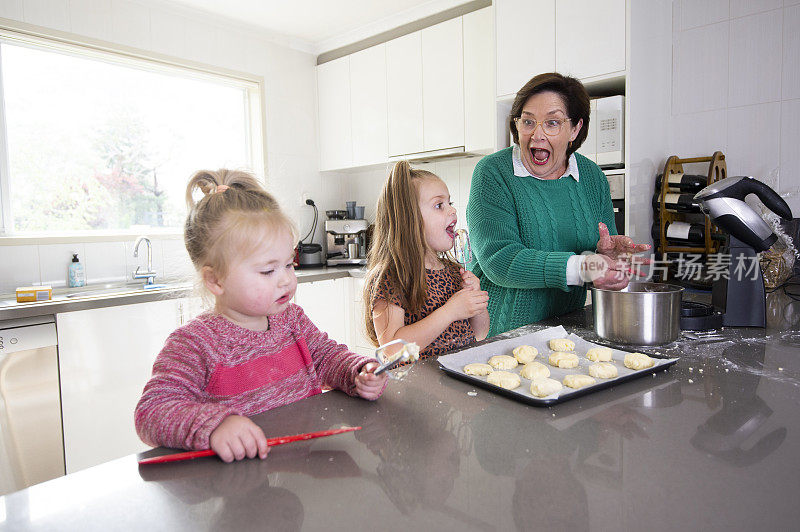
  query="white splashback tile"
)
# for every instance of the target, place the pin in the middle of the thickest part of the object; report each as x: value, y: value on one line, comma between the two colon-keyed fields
x: 177, y: 264
x: 701, y: 134
x: 104, y: 262
x: 19, y: 267
x: 49, y: 13
x: 448, y: 171
x: 753, y: 146
x: 694, y: 13
x: 700, y: 69
x: 467, y: 168
x: 791, y: 53
x: 790, y: 140
x: 54, y: 260
x: 755, y: 52
x: 91, y: 18
x: 741, y: 8
x: 130, y: 23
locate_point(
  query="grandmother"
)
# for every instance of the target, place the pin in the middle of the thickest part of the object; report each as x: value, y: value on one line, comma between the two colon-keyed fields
x: 540, y: 215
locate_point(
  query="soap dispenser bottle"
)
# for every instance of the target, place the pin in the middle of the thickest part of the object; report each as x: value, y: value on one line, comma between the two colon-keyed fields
x: 77, y: 277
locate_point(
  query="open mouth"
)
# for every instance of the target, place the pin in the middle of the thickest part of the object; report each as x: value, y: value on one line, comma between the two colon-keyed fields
x: 451, y: 229
x: 540, y: 156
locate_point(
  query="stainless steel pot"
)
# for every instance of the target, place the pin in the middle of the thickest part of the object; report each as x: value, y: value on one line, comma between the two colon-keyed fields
x: 641, y: 314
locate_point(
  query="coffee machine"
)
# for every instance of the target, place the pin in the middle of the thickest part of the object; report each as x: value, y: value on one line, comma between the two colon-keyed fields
x: 346, y: 242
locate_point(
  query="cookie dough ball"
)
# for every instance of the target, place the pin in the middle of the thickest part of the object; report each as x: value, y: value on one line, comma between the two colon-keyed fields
x: 544, y: 387
x: 563, y: 360
x: 503, y: 362
x: 578, y: 381
x: 504, y: 379
x: 478, y: 368
x: 525, y: 353
x: 562, y: 344
x: 603, y: 370
x: 599, y: 354
x: 534, y: 370
x: 638, y: 361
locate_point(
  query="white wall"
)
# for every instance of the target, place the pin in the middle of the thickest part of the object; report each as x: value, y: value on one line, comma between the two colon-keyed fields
x: 364, y: 186
x: 648, y: 93
x: 290, y: 110
x: 708, y: 75
x: 736, y: 87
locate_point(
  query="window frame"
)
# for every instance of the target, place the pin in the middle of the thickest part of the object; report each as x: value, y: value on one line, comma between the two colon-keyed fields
x: 22, y: 34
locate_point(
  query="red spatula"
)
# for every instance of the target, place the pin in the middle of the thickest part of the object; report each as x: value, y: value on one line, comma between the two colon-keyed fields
x: 270, y: 441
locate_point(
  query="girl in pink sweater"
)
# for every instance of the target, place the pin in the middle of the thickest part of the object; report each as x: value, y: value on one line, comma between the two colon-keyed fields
x: 256, y: 350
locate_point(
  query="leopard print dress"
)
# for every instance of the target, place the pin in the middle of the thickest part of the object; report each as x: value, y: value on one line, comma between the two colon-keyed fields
x: 441, y: 285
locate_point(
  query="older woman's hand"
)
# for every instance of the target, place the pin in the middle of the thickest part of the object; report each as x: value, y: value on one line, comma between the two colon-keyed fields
x: 617, y: 246
x: 606, y: 273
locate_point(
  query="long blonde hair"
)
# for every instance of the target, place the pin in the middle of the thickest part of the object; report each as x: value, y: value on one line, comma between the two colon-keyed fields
x: 232, y: 218
x: 398, y: 246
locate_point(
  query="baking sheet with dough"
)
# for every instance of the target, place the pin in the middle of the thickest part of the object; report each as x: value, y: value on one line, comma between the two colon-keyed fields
x: 454, y: 364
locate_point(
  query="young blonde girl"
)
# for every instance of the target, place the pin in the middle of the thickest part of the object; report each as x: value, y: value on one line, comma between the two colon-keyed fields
x: 256, y: 350
x: 413, y: 290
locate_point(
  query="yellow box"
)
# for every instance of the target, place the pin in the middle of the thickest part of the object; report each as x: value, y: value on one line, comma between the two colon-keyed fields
x: 31, y: 294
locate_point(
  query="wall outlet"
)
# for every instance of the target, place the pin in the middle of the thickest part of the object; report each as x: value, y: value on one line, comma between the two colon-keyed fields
x: 305, y: 196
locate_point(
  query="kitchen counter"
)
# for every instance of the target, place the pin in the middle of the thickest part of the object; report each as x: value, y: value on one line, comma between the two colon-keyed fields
x: 711, y: 443
x: 90, y: 297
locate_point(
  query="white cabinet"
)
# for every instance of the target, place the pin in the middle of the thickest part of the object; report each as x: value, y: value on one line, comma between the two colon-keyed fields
x: 443, y: 86
x: 359, y: 343
x: 425, y: 82
x: 479, y: 119
x: 105, y: 358
x: 324, y: 302
x: 335, y: 123
x: 581, y: 38
x: 590, y: 37
x: 425, y: 91
x: 368, y: 106
x: 404, y: 90
x: 526, y: 41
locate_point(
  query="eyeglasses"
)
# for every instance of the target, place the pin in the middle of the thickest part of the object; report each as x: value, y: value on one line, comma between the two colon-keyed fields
x: 551, y: 126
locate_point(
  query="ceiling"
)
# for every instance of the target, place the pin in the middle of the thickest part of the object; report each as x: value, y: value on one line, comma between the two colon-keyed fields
x: 322, y: 25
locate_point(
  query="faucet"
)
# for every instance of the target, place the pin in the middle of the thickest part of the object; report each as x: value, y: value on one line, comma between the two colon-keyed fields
x: 150, y: 275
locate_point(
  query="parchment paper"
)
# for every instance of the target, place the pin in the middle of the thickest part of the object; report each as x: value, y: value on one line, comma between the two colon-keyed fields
x: 539, y: 340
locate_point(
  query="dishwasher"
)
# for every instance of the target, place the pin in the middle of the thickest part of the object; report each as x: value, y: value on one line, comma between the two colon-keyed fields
x: 31, y: 437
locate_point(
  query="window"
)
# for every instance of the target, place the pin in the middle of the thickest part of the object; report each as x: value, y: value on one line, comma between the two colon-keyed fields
x: 98, y: 142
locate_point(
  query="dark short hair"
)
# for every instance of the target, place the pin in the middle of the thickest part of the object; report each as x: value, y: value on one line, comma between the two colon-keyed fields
x: 572, y: 92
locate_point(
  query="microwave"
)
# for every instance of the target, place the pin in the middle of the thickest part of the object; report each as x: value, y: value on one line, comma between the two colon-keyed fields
x: 605, y: 141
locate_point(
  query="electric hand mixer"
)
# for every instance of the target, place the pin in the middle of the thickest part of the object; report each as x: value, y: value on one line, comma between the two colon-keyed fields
x: 741, y: 298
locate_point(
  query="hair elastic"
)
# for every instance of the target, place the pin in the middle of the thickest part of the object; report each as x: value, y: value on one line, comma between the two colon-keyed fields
x: 221, y: 188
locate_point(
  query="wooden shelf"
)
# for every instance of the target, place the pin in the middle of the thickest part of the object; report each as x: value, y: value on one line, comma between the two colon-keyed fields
x: 717, y: 169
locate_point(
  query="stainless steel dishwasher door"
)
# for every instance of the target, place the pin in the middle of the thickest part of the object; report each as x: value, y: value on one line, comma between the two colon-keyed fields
x: 31, y: 439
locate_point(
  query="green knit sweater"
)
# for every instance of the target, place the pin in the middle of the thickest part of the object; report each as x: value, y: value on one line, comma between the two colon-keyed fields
x: 523, y: 230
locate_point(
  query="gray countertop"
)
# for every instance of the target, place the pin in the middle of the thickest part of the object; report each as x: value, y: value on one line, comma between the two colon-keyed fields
x: 89, y: 297
x: 711, y: 443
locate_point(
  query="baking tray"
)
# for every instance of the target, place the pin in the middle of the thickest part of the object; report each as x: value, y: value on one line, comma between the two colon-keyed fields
x: 453, y: 365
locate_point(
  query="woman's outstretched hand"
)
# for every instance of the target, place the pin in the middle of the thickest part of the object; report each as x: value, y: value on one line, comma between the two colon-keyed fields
x: 618, y: 246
